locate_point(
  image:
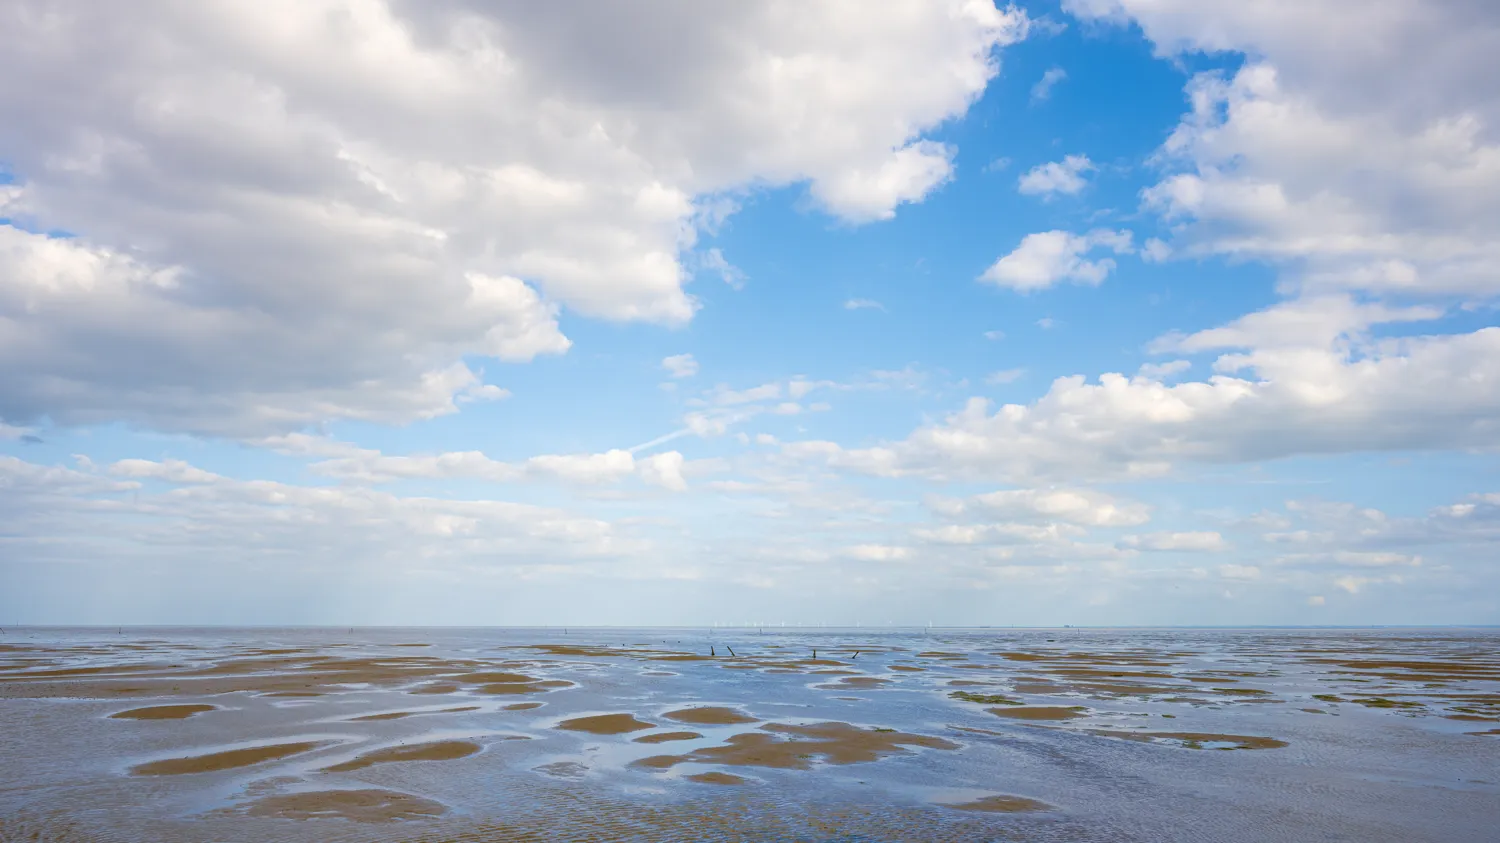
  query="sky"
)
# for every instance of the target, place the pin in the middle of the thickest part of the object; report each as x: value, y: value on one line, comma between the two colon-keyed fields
x: 1089, y: 312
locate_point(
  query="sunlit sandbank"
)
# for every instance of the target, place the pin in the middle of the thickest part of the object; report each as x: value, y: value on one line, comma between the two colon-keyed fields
x: 676, y: 734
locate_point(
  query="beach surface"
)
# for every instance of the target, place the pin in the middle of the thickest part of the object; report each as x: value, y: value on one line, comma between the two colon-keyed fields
x: 178, y: 734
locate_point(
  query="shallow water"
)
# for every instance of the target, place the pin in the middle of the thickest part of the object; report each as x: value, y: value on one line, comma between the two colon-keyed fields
x: 595, y: 735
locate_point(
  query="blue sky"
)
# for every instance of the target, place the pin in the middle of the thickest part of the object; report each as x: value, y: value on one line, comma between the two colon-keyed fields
x: 1099, y: 312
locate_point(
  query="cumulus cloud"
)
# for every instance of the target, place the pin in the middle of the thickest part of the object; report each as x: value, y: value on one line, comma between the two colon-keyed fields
x: 67, y: 514
x: 863, y: 304
x: 1051, y: 257
x: 713, y: 260
x: 1163, y: 371
x: 1200, y: 542
x: 369, y: 466
x: 664, y: 470
x: 1311, y: 322
x: 313, y: 211
x: 680, y: 365
x: 1065, y: 176
x: 1263, y: 404
x: 877, y: 553
x: 1366, y: 164
x: 1042, y: 90
x: 1077, y: 506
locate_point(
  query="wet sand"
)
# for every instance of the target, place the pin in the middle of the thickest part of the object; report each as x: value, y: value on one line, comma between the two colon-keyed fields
x: 606, y: 724
x: 716, y: 778
x: 1003, y: 805
x: 163, y: 712
x: 364, y: 806
x: 436, y: 751
x: 710, y: 716
x: 1040, y: 712
x: 667, y: 737
x: 797, y: 747
x: 398, y: 715
x: 946, y: 730
x: 226, y: 760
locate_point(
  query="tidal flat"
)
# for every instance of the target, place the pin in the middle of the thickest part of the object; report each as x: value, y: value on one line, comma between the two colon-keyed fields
x: 179, y: 734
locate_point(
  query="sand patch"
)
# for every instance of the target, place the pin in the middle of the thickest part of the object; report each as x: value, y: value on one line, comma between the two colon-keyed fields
x: 983, y: 699
x: 665, y: 737
x: 506, y: 688
x: 489, y: 677
x: 710, y: 716
x: 1041, y: 712
x: 439, y: 688
x: 716, y: 778
x: 1002, y: 805
x: 162, y: 712
x: 659, y: 762
x: 1242, y: 692
x: 401, y: 715
x: 861, y: 682
x: 435, y: 751
x: 907, y: 668
x: 1195, y: 740
x: 525, y: 706
x: 791, y: 747
x: 227, y: 760
x: 365, y: 806
x: 606, y: 724
x: 1382, y: 702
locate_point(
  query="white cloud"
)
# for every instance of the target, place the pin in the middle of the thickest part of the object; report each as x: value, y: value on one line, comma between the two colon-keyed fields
x: 1316, y: 600
x: 877, y: 553
x: 1163, y: 371
x: 1003, y: 376
x: 664, y: 470
x: 907, y: 175
x: 352, y: 188
x: 1051, y: 257
x: 57, y: 513
x: 713, y: 260
x: 368, y: 466
x: 1309, y: 323
x: 585, y: 468
x: 863, y: 304
x: 1065, y: 176
x: 994, y: 336
x: 1042, y: 90
x: 1076, y: 506
x: 172, y: 471
x: 1033, y: 538
x: 1360, y: 165
x: 1198, y: 542
x: 1264, y: 404
x: 680, y: 365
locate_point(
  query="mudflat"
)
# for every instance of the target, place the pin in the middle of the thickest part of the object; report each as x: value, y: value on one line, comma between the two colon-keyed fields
x: 438, y: 735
